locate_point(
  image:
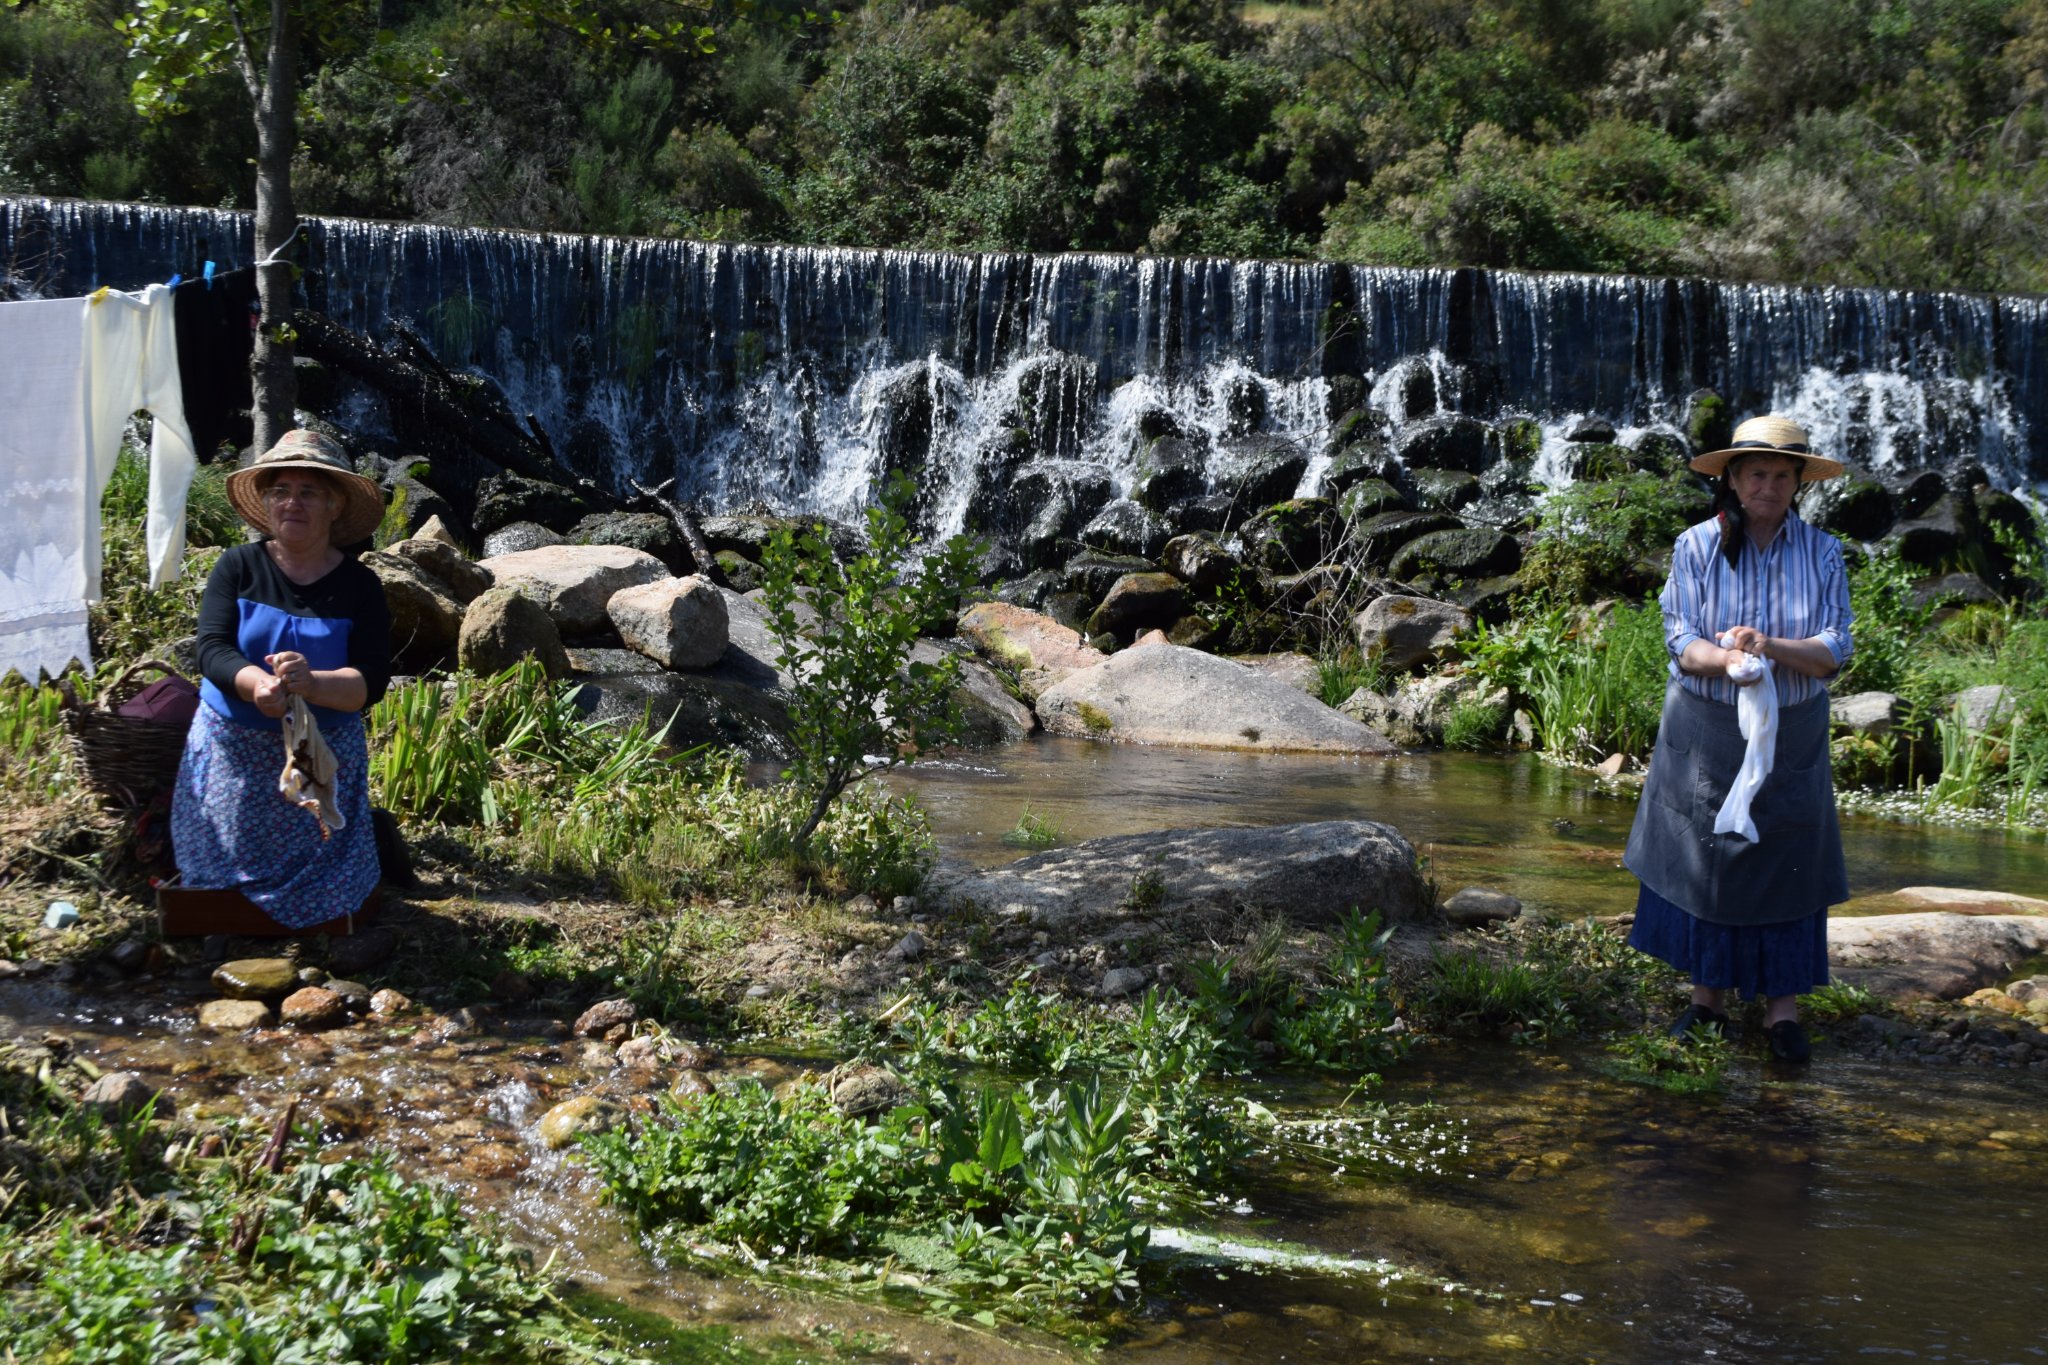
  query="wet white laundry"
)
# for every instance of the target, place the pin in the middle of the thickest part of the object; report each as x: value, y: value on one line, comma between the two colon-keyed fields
x: 74, y: 370
x: 1756, y: 712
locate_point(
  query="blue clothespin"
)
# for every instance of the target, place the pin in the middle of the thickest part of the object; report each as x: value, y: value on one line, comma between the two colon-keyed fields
x: 172, y: 283
x: 209, y: 274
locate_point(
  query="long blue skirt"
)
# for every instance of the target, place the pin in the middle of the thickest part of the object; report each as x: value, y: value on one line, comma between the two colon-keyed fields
x: 232, y: 830
x: 1757, y: 960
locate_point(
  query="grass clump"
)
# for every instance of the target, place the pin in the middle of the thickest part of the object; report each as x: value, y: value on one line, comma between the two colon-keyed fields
x: 1591, y: 686
x: 1542, y: 981
x: 1034, y: 829
x: 512, y: 761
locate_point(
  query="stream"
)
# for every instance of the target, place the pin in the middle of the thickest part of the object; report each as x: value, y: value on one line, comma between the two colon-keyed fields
x: 1520, y: 1203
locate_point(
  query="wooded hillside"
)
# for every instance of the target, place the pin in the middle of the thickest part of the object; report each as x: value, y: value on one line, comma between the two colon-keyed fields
x: 1892, y: 142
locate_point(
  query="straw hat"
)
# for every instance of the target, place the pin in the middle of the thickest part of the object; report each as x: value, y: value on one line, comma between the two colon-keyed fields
x: 1769, y: 435
x: 362, y: 501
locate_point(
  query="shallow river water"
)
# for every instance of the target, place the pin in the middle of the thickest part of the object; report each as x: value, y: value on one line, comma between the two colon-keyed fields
x: 1521, y: 1205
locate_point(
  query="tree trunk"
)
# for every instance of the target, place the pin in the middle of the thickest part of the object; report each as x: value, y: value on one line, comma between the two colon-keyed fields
x: 270, y: 368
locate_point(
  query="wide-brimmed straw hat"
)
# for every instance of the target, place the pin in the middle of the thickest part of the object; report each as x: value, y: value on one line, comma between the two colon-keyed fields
x: 1769, y: 436
x: 362, y: 501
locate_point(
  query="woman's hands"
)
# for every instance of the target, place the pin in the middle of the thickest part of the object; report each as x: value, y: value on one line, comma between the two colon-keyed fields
x: 290, y: 675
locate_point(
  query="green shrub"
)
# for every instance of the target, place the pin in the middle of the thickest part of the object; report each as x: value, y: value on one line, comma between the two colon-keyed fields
x: 1682, y: 1066
x: 859, y: 703
x: 1595, y: 535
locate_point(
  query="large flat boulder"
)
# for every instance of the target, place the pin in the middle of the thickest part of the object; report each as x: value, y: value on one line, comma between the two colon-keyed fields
x: 1311, y: 873
x: 575, y: 582
x: 1935, y: 954
x: 1168, y: 694
x: 696, y: 708
x: 1963, y: 900
x: 752, y: 650
x: 1039, y: 649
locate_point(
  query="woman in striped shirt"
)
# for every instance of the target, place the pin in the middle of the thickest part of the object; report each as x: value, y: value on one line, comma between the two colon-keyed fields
x: 1735, y: 913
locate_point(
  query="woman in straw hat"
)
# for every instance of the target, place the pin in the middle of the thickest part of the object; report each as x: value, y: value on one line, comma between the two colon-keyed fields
x: 1753, y: 582
x: 288, y: 616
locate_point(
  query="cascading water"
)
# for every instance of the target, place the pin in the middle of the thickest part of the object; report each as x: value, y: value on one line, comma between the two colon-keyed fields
x: 797, y: 375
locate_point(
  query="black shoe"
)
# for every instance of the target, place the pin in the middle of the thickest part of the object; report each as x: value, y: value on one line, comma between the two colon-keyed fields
x: 1788, y: 1042
x: 1699, y: 1016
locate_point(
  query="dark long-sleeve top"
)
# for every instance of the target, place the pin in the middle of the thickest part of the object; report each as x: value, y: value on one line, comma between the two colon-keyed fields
x: 251, y: 609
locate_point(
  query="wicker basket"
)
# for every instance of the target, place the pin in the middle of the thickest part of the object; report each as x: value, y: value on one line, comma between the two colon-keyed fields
x: 127, y: 760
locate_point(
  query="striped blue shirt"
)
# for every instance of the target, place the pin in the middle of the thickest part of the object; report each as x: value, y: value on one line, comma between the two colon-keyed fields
x: 1796, y: 589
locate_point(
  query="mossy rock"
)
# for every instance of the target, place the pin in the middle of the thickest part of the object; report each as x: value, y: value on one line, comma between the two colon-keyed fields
x: 1469, y: 552
x: 1445, y: 490
x: 1290, y: 536
x: 1709, y: 425
x: 1369, y: 498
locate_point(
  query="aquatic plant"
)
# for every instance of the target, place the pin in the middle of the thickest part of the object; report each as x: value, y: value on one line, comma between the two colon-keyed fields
x: 1034, y: 829
x: 1347, y: 1023
x: 1694, y: 1065
x: 1478, y: 990
x: 1841, y: 1000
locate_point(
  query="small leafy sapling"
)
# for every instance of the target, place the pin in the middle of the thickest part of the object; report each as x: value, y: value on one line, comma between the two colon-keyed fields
x: 860, y: 703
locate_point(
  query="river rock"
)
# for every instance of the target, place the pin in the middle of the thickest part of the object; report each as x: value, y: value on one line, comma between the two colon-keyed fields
x: 1291, y: 536
x: 1478, y: 906
x: 860, y: 1090
x: 233, y: 1016
x: 677, y: 622
x: 1369, y: 498
x: 1124, y: 981
x: 503, y: 626
x: 435, y: 529
x: 1136, y: 602
x: 313, y: 1007
x: 1258, y: 470
x: 605, y: 1016
x: 1167, y: 694
x: 1936, y: 537
x: 576, y: 582
x: 1379, y: 538
x: 1855, y: 506
x: 991, y: 716
x: 1123, y: 527
x: 256, y: 978
x: 695, y: 708
x: 1199, y: 561
x: 1445, y: 442
x: 426, y: 618
x: 505, y: 498
x: 573, y: 1117
x: 447, y: 565
x: 649, y: 532
x: 1468, y: 552
x: 1937, y: 955
x: 1868, y: 713
x: 1985, y: 708
x: 1954, y: 590
x: 122, y: 1095
x: 1311, y: 873
x: 1298, y: 671
x: 1039, y: 649
x: 2032, y: 991
x: 1591, y: 429
x: 691, y: 1085
x: 1445, y: 490
x: 387, y: 1003
x: 520, y: 535
x: 1403, y: 632
x: 1967, y: 901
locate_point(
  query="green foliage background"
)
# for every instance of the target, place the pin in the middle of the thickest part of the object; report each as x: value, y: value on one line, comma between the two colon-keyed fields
x: 1896, y: 142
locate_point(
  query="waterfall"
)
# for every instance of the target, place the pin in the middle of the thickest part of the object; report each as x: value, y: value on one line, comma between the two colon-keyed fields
x: 798, y: 375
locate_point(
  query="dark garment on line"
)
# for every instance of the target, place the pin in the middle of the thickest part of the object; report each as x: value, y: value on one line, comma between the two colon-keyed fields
x: 1796, y: 863
x: 216, y: 336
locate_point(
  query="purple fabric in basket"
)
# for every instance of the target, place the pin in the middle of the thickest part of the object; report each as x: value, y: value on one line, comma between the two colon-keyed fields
x: 167, y: 701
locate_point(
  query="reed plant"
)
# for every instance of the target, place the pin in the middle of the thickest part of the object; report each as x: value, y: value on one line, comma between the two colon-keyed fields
x: 1593, y: 685
x: 34, y: 757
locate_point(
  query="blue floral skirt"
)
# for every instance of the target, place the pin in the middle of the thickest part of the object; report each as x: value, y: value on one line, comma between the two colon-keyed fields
x: 1758, y: 960
x: 232, y: 830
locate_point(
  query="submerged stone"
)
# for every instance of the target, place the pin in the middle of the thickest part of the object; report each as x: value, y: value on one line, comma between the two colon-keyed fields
x: 256, y: 978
